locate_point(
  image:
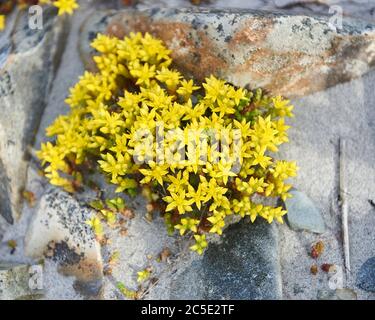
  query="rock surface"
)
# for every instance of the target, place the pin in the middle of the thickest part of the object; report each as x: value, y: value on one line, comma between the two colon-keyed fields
x: 243, y: 266
x: 28, y: 62
x: 366, y: 276
x: 344, y: 111
x: 303, y: 214
x: 338, y: 294
x: 58, y: 230
x: 16, y: 282
x: 138, y: 244
x: 293, y: 55
x: 95, y: 23
x: 346, y: 294
x: 313, y: 143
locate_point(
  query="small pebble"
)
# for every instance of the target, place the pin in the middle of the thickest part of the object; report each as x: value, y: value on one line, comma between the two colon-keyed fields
x: 303, y: 214
x: 366, y: 276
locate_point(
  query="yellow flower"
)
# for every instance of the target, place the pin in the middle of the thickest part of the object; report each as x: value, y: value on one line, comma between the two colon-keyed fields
x: 169, y: 77
x: 125, y: 183
x: 237, y: 95
x: 264, y: 134
x: 143, y: 275
x: 214, y: 88
x: 224, y: 107
x: 78, y: 96
x: 218, y: 223
x: 254, y: 185
x: 96, y: 225
x: 194, y: 112
x: 244, y: 126
x: 109, y: 123
x: 186, y: 89
x: 178, y: 200
x: 197, y: 195
x: 143, y: 73
x: 260, y: 158
x: 187, y: 224
x: 115, y: 166
x: 256, y: 209
x: 270, y: 213
x: 2, y: 22
x: 200, y: 243
x: 109, y: 216
x: 281, y: 129
x: 156, y: 171
x: 211, y: 189
x: 120, y: 145
x: 56, y: 180
x: 105, y: 44
x: 178, y: 182
x: 66, y: 6
x: 283, y: 107
x: 284, y: 169
x: 154, y: 51
x: 225, y: 171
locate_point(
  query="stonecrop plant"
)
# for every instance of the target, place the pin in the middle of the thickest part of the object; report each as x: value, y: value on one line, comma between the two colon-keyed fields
x: 200, y: 151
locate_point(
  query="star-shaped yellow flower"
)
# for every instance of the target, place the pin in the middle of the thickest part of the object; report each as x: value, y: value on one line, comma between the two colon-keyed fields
x: 66, y: 6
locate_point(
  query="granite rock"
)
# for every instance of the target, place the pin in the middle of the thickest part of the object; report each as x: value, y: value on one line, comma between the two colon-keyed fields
x: 338, y: 294
x: 96, y: 23
x: 343, y: 111
x: 28, y: 60
x: 243, y: 266
x: 366, y: 276
x: 20, y: 281
x: 292, y: 55
x: 58, y: 231
x: 139, y: 243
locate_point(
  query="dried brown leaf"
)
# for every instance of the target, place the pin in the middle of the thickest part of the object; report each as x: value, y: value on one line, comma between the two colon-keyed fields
x: 165, y: 254
x: 317, y: 249
x: 29, y: 197
x: 314, y: 269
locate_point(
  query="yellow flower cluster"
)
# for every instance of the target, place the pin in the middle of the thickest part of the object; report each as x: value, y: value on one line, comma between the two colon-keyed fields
x: 205, y: 149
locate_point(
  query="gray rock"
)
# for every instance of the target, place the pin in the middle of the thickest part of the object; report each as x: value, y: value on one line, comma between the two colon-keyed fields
x: 292, y: 55
x: 338, y: 294
x: 17, y: 281
x: 352, y: 8
x: 58, y: 230
x: 139, y: 248
x: 3, y: 227
x: 28, y: 62
x: 314, y: 145
x: 346, y: 294
x: 303, y: 214
x: 96, y: 23
x: 244, y: 266
x: 326, y: 295
x: 366, y: 276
